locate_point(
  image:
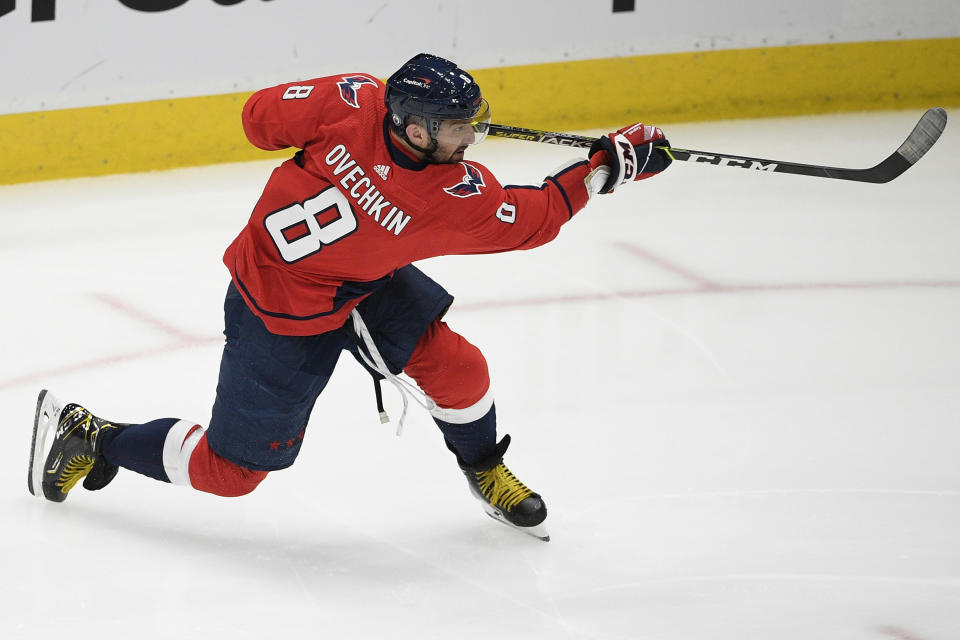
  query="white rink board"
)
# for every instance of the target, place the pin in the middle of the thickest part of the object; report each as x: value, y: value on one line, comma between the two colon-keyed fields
x: 104, y: 52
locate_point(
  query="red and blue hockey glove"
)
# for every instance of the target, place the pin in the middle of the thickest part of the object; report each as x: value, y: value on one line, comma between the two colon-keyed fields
x: 631, y: 153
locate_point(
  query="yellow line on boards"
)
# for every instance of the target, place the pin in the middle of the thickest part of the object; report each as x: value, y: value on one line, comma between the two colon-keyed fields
x: 560, y: 96
x: 723, y: 84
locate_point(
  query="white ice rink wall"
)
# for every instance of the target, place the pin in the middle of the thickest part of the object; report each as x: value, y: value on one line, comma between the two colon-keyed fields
x: 130, y: 85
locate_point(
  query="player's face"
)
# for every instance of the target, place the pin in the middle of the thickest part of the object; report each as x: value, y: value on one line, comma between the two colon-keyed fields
x: 454, y: 136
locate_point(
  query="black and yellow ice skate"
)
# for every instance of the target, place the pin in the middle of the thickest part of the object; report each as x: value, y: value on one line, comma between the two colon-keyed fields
x: 503, y: 496
x: 67, y: 447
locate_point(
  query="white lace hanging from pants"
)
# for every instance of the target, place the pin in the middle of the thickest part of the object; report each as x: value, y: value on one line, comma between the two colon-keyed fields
x: 376, y: 362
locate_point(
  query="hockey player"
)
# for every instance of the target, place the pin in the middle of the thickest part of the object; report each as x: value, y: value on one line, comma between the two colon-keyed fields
x: 379, y: 181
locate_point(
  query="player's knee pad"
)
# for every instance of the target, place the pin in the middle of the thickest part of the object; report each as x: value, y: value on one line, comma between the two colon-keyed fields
x: 448, y: 368
x: 214, y: 474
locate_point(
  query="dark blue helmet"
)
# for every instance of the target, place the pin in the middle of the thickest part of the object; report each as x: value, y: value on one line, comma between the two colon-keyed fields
x: 435, y: 89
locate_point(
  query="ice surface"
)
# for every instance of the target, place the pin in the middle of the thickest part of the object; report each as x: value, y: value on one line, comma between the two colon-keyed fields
x: 737, y: 391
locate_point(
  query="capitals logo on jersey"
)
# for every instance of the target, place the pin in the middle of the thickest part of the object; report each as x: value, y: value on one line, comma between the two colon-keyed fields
x: 470, y: 185
x: 349, y: 86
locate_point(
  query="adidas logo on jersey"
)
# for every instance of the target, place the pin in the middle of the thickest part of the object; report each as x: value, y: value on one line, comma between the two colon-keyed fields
x: 382, y: 170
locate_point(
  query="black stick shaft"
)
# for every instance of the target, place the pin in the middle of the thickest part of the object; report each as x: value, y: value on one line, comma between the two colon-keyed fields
x: 535, y: 135
x: 924, y: 135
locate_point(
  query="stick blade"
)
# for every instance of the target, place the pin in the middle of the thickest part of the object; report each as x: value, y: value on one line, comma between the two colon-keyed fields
x: 924, y: 135
x: 926, y: 132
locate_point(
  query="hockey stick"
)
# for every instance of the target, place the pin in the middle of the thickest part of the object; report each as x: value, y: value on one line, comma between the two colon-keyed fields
x: 924, y: 135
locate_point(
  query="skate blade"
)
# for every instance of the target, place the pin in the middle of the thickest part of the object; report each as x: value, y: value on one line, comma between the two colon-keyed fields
x: 44, y: 428
x: 537, y: 531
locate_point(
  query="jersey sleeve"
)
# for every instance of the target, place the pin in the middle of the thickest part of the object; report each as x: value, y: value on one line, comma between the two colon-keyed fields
x: 516, y: 217
x: 294, y: 114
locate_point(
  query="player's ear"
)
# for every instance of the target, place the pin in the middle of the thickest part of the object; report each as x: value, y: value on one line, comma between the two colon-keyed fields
x: 417, y: 134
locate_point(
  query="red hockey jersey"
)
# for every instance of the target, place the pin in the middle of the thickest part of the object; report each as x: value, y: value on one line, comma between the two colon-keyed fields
x: 335, y: 221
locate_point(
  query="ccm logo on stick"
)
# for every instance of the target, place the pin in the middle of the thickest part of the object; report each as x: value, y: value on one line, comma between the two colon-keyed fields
x: 733, y: 162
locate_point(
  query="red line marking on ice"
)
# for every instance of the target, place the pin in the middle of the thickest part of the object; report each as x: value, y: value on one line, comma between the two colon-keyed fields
x: 183, y: 341
x: 672, y: 267
x: 898, y: 633
x: 142, y: 317
x: 726, y: 289
x: 43, y: 377
x: 187, y: 341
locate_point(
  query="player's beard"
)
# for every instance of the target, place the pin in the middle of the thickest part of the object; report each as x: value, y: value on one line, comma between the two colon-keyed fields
x: 454, y: 156
x: 430, y: 155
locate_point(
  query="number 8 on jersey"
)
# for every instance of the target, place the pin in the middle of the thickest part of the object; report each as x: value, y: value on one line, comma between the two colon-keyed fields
x: 297, y: 230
